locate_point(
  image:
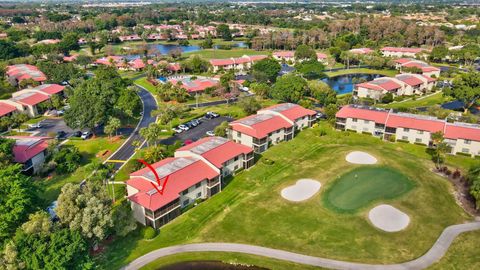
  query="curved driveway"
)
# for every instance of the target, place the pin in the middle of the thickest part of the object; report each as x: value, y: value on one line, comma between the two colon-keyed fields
x: 436, y: 252
x: 127, y: 150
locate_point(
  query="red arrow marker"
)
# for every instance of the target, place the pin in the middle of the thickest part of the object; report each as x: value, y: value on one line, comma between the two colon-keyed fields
x: 156, y: 177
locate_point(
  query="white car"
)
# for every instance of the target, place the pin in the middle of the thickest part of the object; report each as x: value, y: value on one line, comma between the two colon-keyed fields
x: 177, y: 130
x: 36, y: 125
x: 210, y: 133
x: 86, y: 135
x: 183, y: 127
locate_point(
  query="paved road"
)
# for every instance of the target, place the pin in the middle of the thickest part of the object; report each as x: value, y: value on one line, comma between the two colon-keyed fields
x: 436, y: 252
x: 127, y: 149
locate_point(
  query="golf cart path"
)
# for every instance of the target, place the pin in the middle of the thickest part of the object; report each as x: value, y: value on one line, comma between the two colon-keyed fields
x: 436, y: 252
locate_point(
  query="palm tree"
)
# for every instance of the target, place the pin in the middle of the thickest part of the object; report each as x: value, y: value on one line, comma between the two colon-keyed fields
x: 440, y: 147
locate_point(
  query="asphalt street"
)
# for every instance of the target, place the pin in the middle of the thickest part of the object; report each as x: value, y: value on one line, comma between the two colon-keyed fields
x: 127, y: 149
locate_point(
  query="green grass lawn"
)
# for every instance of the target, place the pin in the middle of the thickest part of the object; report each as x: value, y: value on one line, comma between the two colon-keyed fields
x: 434, y: 99
x: 251, y: 210
x: 462, y: 254
x: 88, y: 149
x: 385, y: 72
x: 362, y: 186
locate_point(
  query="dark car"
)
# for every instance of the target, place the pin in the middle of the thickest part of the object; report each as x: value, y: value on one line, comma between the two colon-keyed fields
x: 61, y: 135
x: 77, y: 134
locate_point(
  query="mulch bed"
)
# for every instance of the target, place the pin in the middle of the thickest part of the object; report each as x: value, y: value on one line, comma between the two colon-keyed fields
x: 462, y: 194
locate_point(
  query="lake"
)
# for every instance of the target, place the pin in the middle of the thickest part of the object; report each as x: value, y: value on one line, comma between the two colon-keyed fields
x: 343, y: 84
x: 210, y: 265
x: 166, y: 48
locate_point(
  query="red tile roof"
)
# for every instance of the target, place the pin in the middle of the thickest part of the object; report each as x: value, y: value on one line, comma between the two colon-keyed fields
x: 409, y: 79
x: 26, y: 147
x: 24, y: 72
x: 381, y: 84
x: 287, y: 54
x: 361, y: 50
x: 290, y: 110
x: 137, y: 63
x: 260, y: 125
x: 221, y: 62
x: 415, y: 122
x: 31, y: 98
x: 6, y: 108
x: 183, y: 173
x: 50, y: 89
x: 401, y: 49
x: 321, y: 56
x: 462, y: 131
x: 378, y: 116
x: 216, y: 150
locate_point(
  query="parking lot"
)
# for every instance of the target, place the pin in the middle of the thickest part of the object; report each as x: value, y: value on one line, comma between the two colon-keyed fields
x: 197, y: 132
x: 51, y: 126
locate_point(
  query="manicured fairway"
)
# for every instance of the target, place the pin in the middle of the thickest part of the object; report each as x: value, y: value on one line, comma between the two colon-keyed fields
x: 362, y: 186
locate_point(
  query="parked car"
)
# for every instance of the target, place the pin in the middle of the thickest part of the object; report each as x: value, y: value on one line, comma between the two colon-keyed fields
x: 86, y: 135
x: 61, y: 135
x: 211, y: 115
x: 189, y: 125
x: 196, y: 122
x: 210, y: 133
x: 177, y: 130
x: 77, y: 134
x: 36, y: 125
x: 60, y: 112
x: 183, y: 127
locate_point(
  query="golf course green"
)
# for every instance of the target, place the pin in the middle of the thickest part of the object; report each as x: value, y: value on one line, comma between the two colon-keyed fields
x: 362, y: 186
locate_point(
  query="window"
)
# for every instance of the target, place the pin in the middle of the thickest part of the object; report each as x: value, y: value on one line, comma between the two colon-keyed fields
x: 406, y: 129
x: 236, y: 158
x: 366, y: 121
x: 420, y: 132
x: 186, y: 202
x: 354, y: 120
x: 418, y: 140
x: 405, y: 138
x: 465, y: 150
x: 236, y: 167
x: 198, y: 185
x: 199, y: 194
x: 238, y: 134
x: 185, y: 192
x: 467, y: 141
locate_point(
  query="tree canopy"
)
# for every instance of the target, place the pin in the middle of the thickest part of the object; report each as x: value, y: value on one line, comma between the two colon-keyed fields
x: 267, y: 68
x: 466, y: 88
x: 289, y: 88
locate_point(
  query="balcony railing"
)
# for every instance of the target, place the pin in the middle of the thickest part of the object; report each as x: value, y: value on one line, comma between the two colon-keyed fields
x: 213, y: 183
x: 259, y: 142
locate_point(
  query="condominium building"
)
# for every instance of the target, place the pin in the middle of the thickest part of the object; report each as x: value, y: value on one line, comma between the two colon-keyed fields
x: 270, y: 126
x: 238, y: 64
x: 412, y: 128
x: 400, y: 85
x: 427, y: 70
x: 196, y: 172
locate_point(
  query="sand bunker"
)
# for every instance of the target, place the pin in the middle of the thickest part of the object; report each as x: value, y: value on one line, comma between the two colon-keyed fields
x: 358, y: 157
x: 388, y: 218
x: 302, y: 190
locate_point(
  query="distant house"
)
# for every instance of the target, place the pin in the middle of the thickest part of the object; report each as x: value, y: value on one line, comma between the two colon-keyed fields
x: 70, y: 58
x: 112, y: 60
x: 238, y: 64
x: 130, y: 38
x: 17, y: 73
x: 271, y: 125
x: 426, y: 69
x: 398, y: 52
x: 8, y: 108
x: 49, y: 41
x: 288, y: 56
x: 321, y: 57
x: 400, y: 85
x: 30, y: 151
x: 199, y: 85
x: 361, y: 51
